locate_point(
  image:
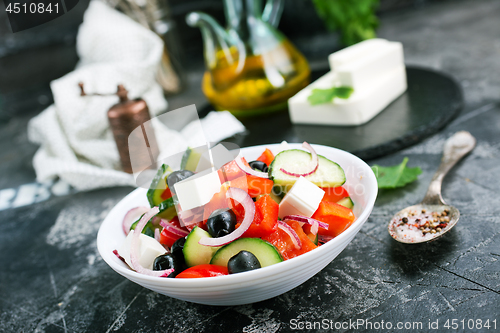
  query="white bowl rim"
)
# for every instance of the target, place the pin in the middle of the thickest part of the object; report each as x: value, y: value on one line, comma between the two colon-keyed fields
x: 261, y: 272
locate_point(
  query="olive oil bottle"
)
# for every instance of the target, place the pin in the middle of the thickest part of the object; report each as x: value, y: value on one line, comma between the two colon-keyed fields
x: 251, y: 67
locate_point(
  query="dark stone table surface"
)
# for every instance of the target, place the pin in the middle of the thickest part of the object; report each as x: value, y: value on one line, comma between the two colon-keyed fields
x: 52, y: 278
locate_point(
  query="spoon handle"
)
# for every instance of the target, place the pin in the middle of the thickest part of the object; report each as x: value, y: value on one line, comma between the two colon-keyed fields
x: 456, y: 147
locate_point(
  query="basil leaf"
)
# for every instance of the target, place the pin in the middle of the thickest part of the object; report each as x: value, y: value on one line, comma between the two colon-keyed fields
x: 321, y: 96
x: 343, y: 92
x: 396, y: 176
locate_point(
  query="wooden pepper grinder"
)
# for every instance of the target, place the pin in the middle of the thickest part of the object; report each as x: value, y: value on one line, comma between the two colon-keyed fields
x: 124, y: 117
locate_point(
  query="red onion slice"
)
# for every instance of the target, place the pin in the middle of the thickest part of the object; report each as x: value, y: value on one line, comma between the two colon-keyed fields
x: 249, y: 170
x: 293, y: 235
x: 246, y: 201
x: 134, y: 247
x: 173, y: 229
x: 115, y: 252
x: 132, y: 216
x: 157, y: 234
x: 314, y: 228
x: 305, y: 219
x: 311, y: 168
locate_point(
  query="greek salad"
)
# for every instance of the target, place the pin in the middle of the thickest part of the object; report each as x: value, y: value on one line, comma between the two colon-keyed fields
x: 262, y: 212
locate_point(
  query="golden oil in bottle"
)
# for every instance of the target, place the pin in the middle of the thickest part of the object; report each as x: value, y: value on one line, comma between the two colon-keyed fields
x: 264, y: 83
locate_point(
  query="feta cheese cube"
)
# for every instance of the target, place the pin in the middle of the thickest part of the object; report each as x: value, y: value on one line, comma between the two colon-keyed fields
x: 149, y: 249
x: 302, y: 199
x: 197, y: 190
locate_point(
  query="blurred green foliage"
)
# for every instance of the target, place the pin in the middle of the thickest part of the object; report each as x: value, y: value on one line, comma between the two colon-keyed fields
x: 355, y: 19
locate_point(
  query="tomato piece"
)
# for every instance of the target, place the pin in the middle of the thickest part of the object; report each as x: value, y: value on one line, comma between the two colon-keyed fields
x: 230, y: 171
x: 265, y: 220
x: 201, y: 271
x: 282, y: 241
x: 334, y: 194
x: 258, y: 186
x: 218, y: 201
x: 166, y: 194
x: 338, y: 217
x: 266, y: 157
x: 166, y: 237
x: 253, y: 185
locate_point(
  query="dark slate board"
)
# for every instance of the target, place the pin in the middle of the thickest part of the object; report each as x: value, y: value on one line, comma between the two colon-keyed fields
x: 433, y: 98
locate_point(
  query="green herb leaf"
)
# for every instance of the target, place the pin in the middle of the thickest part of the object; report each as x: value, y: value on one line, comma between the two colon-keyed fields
x: 396, y: 176
x: 356, y: 20
x: 321, y: 96
x: 343, y: 92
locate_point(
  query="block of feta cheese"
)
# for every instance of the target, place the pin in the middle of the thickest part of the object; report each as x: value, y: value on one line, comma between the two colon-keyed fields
x: 354, y: 52
x: 302, y: 199
x: 358, y: 109
x: 149, y: 249
x: 376, y: 72
x: 197, y: 190
x: 366, y: 71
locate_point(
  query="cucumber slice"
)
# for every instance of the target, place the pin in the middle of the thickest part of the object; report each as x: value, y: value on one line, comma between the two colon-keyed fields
x: 148, y: 228
x: 275, y: 197
x: 346, y: 202
x: 195, y: 253
x: 158, y: 185
x: 264, y: 251
x: 167, y: 209
x: 190, y: 159
x: 328, y: 174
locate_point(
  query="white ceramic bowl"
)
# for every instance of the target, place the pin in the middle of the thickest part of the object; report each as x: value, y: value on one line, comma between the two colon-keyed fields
x: 259, y: 284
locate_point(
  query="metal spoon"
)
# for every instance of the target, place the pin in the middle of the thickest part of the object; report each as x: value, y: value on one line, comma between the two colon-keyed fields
x: 456, y: 147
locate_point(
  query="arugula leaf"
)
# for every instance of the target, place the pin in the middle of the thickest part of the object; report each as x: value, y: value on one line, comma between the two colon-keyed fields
x: 320, y: 96
x: 396, y: 176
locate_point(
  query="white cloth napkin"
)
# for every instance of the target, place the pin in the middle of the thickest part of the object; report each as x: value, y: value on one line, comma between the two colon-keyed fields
x: 77, y: 144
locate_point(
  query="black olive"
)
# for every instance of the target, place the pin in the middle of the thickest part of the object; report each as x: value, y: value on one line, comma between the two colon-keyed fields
x: 242, y: 262
x: 258, y: 165
x: 221, y: 222
x: 176, y: 177
x: 176, y: 250
x: 167, y: 261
